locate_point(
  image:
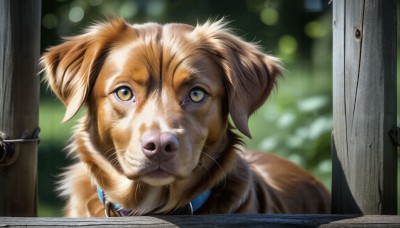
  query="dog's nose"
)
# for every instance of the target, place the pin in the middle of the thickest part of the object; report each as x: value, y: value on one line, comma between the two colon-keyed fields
x: 156, y: 145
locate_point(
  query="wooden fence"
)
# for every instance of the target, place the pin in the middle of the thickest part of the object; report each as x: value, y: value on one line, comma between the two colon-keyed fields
x: 240, y: 221
x: 19, y: 105
x: 364, y: 110
x: 364, y: 107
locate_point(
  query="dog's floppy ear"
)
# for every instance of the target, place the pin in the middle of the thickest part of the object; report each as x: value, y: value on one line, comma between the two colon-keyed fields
x: 250, y: 75
x: 72, y: 67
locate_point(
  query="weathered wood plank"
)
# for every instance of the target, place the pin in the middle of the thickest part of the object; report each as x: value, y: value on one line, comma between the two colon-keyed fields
x: 237, y: 220
x: 364, y: 107
x: 366, y: 221
x: 19, y: 102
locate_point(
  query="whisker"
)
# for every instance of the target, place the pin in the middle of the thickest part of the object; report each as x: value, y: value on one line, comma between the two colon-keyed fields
x: 202, y: 166
x: 110, y: 150
x: 217, y: 163
x: 115, y: 161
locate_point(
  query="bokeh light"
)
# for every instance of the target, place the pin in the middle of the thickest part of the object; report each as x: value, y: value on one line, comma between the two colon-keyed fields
x: 76, y: 14
x: 315, y: 29
x: 287, y: 45
x: 269, y: 16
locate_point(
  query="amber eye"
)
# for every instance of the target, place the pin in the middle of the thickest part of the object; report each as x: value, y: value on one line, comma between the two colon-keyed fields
x: 197, y: 95
x: 124, y: 93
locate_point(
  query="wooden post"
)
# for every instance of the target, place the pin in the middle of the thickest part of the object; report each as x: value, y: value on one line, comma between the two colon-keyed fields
x: 364, y: 107
x: 19, y: 103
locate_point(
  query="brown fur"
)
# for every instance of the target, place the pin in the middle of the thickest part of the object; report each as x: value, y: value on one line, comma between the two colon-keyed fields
x: 161, y: 65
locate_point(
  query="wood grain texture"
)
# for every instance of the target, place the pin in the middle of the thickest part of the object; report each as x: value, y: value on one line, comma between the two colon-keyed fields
x: 19, y: 102
x: 386, y: 221
x: 232, y: 220
x: 364, y: 107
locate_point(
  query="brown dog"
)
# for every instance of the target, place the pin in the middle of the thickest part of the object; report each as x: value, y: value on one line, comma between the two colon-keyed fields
x: 156, y: 137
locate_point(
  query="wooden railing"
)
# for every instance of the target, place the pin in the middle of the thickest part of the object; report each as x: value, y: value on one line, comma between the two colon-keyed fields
x: 259, y: 220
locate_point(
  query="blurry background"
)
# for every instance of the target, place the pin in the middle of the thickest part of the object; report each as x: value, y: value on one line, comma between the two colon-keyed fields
x: 296, y: 122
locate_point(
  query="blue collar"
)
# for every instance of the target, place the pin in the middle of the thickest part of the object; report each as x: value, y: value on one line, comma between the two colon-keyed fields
x: 199, y: 200
x: 117, y: 209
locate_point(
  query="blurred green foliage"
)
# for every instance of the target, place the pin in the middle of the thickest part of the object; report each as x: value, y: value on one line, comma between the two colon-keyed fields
x: 296, y: 122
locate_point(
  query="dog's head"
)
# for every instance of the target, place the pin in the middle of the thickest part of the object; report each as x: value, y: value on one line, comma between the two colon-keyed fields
x: 158, y: 97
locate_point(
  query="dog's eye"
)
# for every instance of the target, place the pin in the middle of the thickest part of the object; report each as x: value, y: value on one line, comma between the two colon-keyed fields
x: 124, y: 93
x: 197, y: 95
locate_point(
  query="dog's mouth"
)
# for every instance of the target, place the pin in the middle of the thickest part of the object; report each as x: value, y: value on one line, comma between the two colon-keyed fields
x: 158, y: 174
x: 157, y: 177
x: 154, y: 173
